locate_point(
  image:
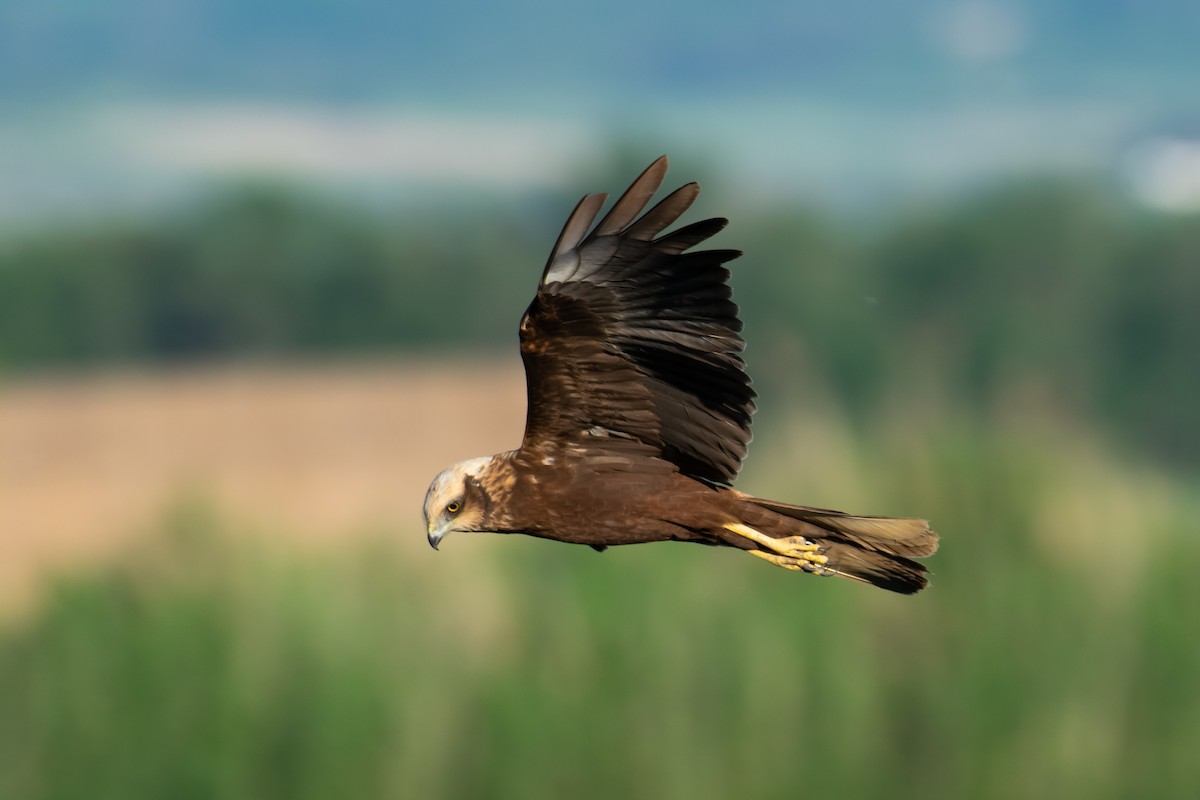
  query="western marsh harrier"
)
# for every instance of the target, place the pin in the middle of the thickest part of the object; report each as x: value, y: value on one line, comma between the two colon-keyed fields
x: 639, y: 411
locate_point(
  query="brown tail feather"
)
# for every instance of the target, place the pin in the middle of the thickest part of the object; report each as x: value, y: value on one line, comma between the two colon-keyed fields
x: 874, y: 550
x: 894, y: 573
x: 898, y: 536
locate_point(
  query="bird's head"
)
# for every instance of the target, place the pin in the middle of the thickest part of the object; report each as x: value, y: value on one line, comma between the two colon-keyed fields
x: 455, y: 500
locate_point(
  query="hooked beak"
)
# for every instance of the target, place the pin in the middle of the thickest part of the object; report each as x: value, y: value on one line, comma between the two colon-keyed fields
x: 435, y: 535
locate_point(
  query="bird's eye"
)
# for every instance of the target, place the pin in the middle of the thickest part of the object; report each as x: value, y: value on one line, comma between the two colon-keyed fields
x: 454, y: 507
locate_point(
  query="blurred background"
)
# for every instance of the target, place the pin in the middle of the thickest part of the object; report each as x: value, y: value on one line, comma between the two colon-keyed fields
x: 261, y: 267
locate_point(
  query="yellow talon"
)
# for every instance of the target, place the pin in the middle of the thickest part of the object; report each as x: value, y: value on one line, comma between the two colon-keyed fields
x: 794, y: 552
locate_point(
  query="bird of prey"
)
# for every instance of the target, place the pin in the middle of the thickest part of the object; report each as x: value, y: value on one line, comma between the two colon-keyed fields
x: 639, y: 411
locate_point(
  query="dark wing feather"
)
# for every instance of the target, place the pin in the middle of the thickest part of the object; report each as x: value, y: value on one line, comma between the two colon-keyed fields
x: 630, y: 338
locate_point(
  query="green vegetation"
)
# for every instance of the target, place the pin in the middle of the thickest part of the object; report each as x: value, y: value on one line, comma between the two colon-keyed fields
x: 260, y: 272
x: 1055, y: 655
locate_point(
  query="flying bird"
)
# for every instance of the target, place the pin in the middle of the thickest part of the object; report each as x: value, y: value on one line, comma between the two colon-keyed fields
x: 639, y: 411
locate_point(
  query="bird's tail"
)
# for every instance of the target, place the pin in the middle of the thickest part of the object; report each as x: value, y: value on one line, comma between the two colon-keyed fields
x: 874, y: 550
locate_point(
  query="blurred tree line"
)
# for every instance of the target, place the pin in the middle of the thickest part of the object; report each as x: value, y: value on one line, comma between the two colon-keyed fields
x: 1055, y: 290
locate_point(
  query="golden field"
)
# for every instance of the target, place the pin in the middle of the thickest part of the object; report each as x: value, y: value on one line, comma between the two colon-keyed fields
x: 321, y: 452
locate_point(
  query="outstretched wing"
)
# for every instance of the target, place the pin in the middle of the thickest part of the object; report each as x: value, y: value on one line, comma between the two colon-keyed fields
x: 632, y: 339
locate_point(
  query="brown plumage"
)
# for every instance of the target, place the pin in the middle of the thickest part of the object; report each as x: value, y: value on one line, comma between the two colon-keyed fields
x: 639, y: 411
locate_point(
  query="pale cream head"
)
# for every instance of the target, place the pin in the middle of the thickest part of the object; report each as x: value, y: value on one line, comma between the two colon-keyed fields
x: 450, y: 505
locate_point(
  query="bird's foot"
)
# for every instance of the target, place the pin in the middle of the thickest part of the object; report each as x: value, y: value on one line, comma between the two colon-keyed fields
x: 792, y: 552
x: 796, y: 547
x: 811, y: 562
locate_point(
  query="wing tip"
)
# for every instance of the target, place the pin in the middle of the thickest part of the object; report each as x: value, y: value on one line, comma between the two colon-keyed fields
x: 577, y: 224
x: 634, y: 199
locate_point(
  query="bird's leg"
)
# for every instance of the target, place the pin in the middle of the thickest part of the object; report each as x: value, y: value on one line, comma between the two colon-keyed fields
x: 792, y: 552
